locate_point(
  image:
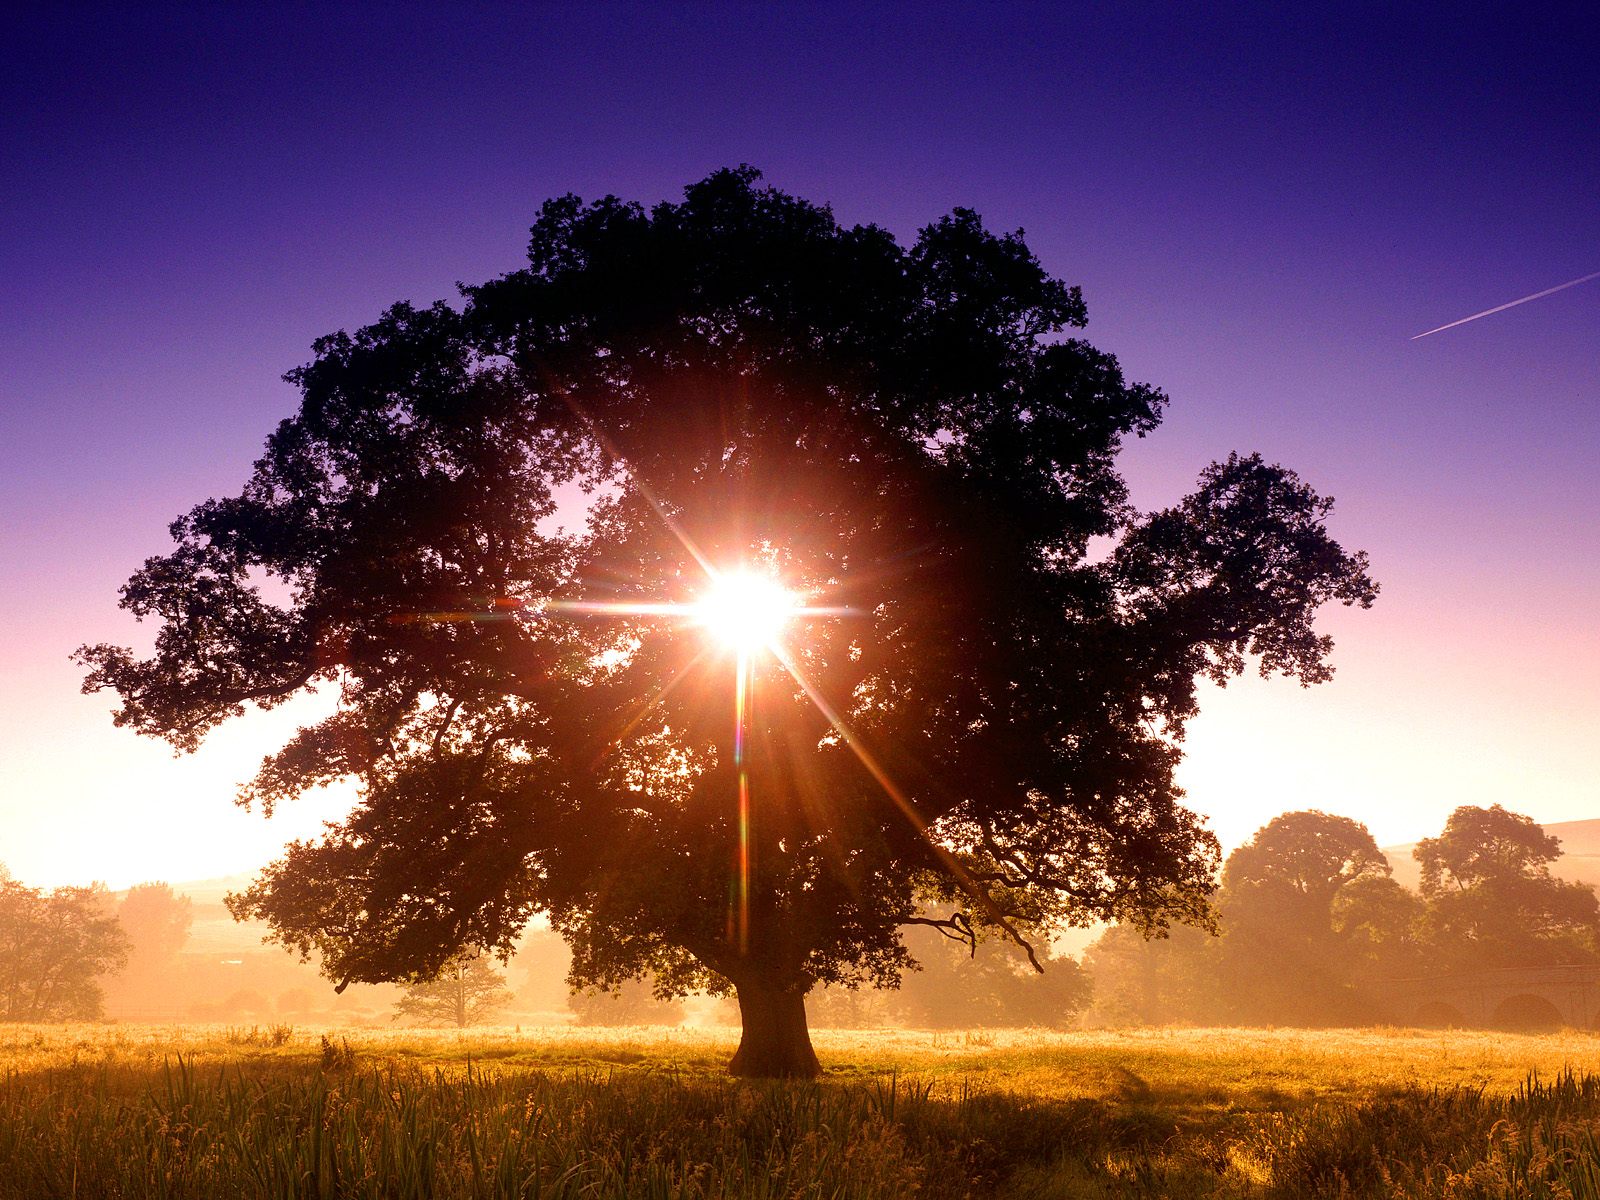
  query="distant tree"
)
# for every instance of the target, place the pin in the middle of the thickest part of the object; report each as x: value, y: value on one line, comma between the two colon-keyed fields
x: 848, y: 1008
x: 984, y: 740
x: 245, y: 1003
x: 1281, y: 959
x: 1492, y: 900
x: 990, y: 986
x: 54, y: 946
x: 465, y: 993
x: 632, y: 1003
x: 1303, y: 858
x: 543, y: 959
x: 1309, y: 920
x: 1484, y: 845
x: 1152, y: 981
x: 297, y: 1001
x: 1381, y: 927
x: 156, y: 922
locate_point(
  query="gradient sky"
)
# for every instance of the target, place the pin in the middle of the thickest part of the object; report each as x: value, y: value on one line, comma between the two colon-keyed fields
x: 1261, y: 209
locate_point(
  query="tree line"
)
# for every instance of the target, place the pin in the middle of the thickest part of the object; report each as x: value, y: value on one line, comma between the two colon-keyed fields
x: 58, y: 947
x: 1310, y: 924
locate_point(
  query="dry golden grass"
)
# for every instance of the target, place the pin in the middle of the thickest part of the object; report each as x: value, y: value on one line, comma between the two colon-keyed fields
x: 648, y: 1111
x: 1177, y: 1065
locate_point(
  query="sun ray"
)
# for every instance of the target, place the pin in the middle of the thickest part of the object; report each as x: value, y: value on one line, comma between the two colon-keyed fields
x: 902, y: 802
x: 650, y: 704
x: 621, y: 608
x: 741, y: 724
x: 638, y: 480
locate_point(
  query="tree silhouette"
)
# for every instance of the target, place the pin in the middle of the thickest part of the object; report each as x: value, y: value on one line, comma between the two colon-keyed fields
x: 631, y: 1004
x: 981, y: 732
x: 988, y: 986
x: 1380, y: 925
x: 1137, y: 980
x: 1308, y: 916
x: 1284, y: 957
x: 466, y: 991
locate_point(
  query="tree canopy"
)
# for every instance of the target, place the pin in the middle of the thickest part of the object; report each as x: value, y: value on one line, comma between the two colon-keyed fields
x: 1307, y: 914
x: 633, y: 1003
x: 156, y: 922
x: 1283, y: 955
x: 464, y: 528
x: 1493, y: 901
x: 464, y: 993
x: 1314, y: 930
x: 54, y: 947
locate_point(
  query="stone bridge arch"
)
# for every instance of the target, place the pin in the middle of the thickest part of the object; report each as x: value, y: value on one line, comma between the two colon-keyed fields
x: 1527, y: 1011
x: 1515, y: 998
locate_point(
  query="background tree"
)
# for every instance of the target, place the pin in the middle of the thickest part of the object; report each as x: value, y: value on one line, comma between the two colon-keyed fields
x: 1282, y: 960
x: 1138, y: 980
x: 464, y: 993
x: 1309, y: 919
x: 1492, y: 901
x: 543, y: 959
x: 1380, y: 926
x: 909, y: 435
x: 841, y: 1008
x: 156, y: 922
x: 633, y: 1003
x: 990, y: 986
x: 54, y: 946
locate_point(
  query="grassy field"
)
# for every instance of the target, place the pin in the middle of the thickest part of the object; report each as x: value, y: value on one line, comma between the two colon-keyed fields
x: 205, y: 1111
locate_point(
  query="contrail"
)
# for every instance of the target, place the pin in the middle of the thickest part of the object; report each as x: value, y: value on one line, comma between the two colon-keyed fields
x: 1489, y: 312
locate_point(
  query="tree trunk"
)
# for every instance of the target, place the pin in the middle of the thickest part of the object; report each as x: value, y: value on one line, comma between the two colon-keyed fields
x: 774, y: 1043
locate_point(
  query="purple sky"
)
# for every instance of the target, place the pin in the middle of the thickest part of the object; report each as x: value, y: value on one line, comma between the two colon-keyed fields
x: 1261, y: 210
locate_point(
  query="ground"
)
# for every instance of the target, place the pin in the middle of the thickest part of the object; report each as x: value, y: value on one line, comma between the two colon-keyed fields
x: 195, y: 1111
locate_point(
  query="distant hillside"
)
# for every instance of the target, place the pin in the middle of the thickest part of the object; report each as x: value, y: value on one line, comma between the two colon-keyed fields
x: 1579, y: 861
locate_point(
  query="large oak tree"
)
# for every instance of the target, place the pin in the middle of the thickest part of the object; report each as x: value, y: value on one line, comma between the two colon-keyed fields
x: 982, y: 736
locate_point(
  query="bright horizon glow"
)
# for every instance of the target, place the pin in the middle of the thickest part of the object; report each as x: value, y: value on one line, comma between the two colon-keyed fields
x: 745, y: 611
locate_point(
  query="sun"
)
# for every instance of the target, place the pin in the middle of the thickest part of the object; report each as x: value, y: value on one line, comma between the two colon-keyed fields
x: 745, y: 611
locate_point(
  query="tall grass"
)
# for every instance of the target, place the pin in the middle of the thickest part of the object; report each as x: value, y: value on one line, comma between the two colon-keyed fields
x: 399, y: 1130
x: 298, y: 1116
x: 1542, y: 1142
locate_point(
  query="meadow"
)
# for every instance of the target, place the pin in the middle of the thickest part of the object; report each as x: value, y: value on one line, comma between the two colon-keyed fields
x: 147, y: 1111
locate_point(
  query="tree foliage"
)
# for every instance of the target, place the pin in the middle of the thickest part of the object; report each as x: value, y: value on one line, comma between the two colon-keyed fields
x: 54, y: 946
x: 1313, y: 927
x: 464, y: 993
x: 1492, y: 899
x: 1138, y: 980
x: 1282, y: 957
x: 991, y: 985
x: 1306, y: 916
x: 910, y: 433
